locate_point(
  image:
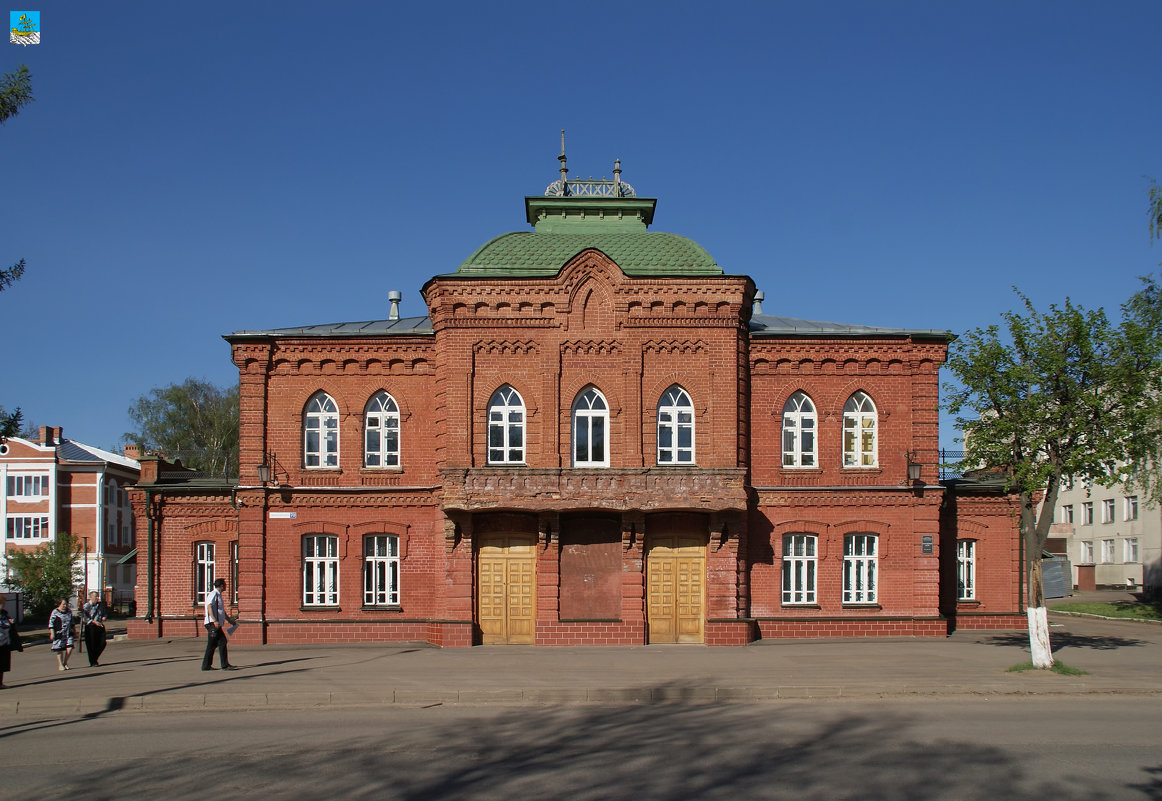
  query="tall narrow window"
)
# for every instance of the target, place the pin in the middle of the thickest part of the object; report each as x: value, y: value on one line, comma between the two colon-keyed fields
x: 859, y: 569
x: 381, y: 570
x: 506, y: 427
x: 1087, y: 513
x: 799, y: 425
x: 675, y: 427
x: 321, y: 432
x: 203, y: 571
x: 381, y: 432
x: 1107, y: 510
x: 320, y: 570
x: 1131, y: 507
x: 590, y: 430
x: 1067, y: 513
x: 965, y: 570
x: 799, y: 563
x: 859, y: 431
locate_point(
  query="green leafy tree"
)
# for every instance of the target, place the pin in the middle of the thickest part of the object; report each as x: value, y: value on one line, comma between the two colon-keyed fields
x: 194, y: 421
x: 46, y: 574
x: 15, y: 93
x: 1056, y: 396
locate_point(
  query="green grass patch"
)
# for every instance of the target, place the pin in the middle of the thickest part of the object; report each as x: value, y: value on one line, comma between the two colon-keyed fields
x: 1058, y: 667
x: 1118, y: 609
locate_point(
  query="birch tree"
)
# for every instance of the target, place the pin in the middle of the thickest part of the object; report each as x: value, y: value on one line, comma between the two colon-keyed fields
x: 1053, y: 397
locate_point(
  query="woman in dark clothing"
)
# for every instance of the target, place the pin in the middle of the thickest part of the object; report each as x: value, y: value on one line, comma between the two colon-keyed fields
x: 93, y: 615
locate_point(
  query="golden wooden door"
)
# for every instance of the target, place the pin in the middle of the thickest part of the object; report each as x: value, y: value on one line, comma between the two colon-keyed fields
x: 676, y: 588
x: 507, y: 588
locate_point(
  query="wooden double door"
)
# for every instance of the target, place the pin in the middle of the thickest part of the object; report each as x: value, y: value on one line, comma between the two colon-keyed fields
x: 506, y: 588
x: 676, y: 588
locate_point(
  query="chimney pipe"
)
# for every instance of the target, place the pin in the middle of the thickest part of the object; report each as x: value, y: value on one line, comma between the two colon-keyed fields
x: 393, y: 297
x: 757, y: 307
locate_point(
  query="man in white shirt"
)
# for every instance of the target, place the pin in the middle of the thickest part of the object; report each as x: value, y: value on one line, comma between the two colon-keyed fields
x: 215, y: 623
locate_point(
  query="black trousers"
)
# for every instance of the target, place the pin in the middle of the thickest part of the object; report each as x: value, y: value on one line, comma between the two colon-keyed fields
x: 94, y: 642
x: 215, y: 638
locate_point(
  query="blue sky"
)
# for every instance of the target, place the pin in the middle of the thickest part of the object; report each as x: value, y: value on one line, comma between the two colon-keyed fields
x: 188, y: 170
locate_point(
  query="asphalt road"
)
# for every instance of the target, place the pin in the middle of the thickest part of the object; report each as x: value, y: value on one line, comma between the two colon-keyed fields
x: 1071, y: 748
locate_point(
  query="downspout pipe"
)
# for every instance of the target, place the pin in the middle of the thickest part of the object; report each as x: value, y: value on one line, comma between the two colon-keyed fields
x: 150, y: 538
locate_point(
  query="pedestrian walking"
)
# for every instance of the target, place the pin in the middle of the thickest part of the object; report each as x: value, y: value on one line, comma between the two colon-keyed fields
x: 216, y: 633
x: 60, y: 629
x: 9, y: 641
x: 93, y: 619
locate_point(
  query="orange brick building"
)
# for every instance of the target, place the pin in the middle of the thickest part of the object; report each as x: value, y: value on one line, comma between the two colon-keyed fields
x: 594, y: 436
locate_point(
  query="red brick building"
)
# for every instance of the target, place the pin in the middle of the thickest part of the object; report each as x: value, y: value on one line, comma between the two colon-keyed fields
x: 593, y: 437
x: 51, y: 485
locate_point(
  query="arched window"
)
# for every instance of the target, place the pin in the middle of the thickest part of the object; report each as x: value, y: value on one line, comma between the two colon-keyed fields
x: 799, y: 426
x: 321, y: 432
x: 590, y: 430
x: 859, y: 431
x: 506, y: 427
x: 675, y: 427
x: 381, y: 432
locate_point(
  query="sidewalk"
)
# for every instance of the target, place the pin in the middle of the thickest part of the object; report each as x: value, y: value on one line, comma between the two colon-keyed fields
x: 164, y: 675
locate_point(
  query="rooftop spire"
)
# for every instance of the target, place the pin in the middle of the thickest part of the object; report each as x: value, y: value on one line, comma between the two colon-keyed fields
x: 564, y: 169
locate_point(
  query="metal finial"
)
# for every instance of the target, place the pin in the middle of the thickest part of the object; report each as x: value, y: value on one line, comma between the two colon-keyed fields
x: 564, y: 169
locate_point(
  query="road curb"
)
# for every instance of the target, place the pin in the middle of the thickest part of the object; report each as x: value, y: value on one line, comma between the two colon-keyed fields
x: 100, y: 707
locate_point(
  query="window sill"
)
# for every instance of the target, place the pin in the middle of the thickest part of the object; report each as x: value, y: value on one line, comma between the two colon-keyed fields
x: 967, y: 602
x: 858, y: 469
x: 786, y: 605
x: 800, y: 471
x: 395, y: 608
x: 870, y: 605
x: 320, y: 609
x: 390, y: 468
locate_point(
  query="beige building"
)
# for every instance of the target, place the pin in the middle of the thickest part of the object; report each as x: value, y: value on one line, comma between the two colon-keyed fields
x: 1112, y: 538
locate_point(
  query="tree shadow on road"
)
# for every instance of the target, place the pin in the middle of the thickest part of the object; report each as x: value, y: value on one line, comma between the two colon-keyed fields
x: 658, y: 752
x: 1065, y: 639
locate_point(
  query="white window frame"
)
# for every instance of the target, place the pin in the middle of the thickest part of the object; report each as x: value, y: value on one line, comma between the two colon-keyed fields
x: 1085, y: 553
x: 860, y: 432
x: 27, y: 487
x: 381, y: 431
x: 1087, y: 513
x: 1107, y: 551
x: 1107, y: 510
x: 321, y: 432
x: 1130, y: 550
x: 27, y: 527
x: 381, y: 570
x: 800, y: 568
x: 966, y: 570
x: 800, y: 432
x: 203, y: 571
x: 1130, y: 508
x: 506, y: 427
x: 1067, y: 513
x: 590, y: 429
x: 860, y: 568
x: 676, y: 434
x: 320, y: 570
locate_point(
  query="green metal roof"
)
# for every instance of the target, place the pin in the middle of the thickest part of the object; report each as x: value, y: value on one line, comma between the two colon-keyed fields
x: 533, y: 253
